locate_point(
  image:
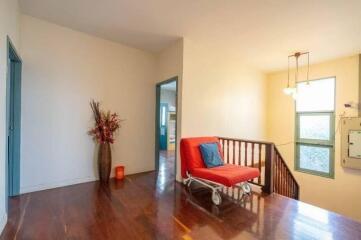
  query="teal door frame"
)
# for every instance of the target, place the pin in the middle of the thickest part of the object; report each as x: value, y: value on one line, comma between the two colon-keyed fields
x: 13, y: 121
x: 157, y: 121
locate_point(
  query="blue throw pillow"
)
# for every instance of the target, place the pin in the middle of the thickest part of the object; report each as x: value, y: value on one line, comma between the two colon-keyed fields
x: 210, y: 155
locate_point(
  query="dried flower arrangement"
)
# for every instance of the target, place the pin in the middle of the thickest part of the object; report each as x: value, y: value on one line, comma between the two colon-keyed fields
x: 106, y: 124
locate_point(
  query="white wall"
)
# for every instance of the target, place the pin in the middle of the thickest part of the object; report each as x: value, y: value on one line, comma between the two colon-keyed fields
x: 8, y: 26
x: 63, y: 70
x: 221, y: 95
x: 343, y: 193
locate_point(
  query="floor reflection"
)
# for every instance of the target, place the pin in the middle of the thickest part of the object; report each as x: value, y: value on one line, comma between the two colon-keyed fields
x: 153, y: 206
x: 312, y: 221
x: 166, y: 170
x: 242, y: 217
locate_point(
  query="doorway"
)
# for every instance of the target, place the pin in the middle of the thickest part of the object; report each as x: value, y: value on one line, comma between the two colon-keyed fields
x: 13, y: 121
x: 166, y: 127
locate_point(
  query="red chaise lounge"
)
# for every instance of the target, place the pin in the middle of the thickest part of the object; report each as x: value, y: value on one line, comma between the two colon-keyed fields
x: 228, y: 175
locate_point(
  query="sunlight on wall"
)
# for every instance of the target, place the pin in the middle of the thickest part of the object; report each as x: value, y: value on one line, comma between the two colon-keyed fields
x: 341, y: 194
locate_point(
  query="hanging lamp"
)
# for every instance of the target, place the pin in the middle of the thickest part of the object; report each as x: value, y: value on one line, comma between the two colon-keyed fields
x: 292, y: 90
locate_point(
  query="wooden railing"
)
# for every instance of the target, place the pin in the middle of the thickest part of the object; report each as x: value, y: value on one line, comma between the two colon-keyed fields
x: 275, y: 175
x: 284, y: 182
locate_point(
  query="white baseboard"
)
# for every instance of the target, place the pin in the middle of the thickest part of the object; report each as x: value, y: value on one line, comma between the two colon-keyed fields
x: 3, y: 221
x: 45, y: 186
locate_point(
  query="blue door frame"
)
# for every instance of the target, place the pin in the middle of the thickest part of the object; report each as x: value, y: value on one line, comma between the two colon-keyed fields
x: 157, y: 121
x: 13, y: 121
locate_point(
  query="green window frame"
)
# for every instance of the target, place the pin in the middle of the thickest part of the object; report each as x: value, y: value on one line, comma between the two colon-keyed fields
x: 329, y: 144
x: 320, y: 143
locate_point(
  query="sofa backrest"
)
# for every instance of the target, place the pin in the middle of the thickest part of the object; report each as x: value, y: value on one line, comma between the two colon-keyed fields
x: 191, y: 156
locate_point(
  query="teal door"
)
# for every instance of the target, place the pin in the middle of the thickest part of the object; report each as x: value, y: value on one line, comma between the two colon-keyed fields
x: 163, y: 126
x: 13, y: 121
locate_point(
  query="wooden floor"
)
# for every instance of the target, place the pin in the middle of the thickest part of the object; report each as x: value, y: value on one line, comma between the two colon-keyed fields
x: 153, y: 206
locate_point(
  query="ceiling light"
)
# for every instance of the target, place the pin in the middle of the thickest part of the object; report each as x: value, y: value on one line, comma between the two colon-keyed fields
x: 289, y: 91
x: 293, y: 90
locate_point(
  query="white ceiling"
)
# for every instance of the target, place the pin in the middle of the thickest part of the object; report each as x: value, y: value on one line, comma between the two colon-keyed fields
x: 263, y: 32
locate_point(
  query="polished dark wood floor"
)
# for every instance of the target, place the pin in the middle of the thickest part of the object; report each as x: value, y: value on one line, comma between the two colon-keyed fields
x: 153, y: 206
x: 167, y: 165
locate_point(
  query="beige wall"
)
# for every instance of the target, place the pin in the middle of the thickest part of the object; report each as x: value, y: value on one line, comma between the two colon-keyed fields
x: 342, y: 194
x: 170, y: 61
x: 9, y: 26
x: 63, y: 71
x: 221, y: 95
x: 169, y: 65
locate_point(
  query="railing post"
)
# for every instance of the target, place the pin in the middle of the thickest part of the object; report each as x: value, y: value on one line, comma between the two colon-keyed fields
x: 268, y: 184
x: 297, y: 193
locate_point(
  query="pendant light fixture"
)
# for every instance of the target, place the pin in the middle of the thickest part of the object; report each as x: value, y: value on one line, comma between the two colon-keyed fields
x: 292, y: 90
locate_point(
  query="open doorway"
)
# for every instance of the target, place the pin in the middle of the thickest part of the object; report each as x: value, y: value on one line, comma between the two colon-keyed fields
x: 13, y: 121
x: 166, y: 127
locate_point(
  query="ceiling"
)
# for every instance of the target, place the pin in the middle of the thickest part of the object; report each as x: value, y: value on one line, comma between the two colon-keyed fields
x: 262, y: 32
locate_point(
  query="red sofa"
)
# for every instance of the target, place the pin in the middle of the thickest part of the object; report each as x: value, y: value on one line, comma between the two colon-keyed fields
x: 193, y: 167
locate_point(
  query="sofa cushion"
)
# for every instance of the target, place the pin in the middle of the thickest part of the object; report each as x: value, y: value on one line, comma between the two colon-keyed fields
x: 227, y: 175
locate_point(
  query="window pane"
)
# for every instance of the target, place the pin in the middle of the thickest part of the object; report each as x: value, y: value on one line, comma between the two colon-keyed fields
x: 315, y: 127
x: 314, y: 158
x: 316, y: 96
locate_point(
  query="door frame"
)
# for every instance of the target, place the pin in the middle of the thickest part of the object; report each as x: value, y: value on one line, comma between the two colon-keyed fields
x: 157, y: 122
x: 13, y: 96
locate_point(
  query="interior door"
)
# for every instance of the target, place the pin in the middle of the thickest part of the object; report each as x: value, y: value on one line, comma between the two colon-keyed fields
x: 13, y: 123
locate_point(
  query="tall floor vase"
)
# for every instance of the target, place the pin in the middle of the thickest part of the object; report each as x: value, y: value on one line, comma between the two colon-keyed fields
x: 104, y: 162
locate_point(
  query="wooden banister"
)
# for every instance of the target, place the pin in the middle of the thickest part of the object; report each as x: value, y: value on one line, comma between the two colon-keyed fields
x: 275, y: 175
x: 288, y: 185
x: 268, y: 185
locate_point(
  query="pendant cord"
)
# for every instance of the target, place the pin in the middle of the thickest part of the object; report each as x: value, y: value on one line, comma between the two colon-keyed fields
x: 288, y: 80
x: 296, y: 76
x: 296, y: 56
x: 308, y: 67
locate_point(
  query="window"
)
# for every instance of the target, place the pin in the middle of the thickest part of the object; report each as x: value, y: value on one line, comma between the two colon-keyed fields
x: 315, y: 106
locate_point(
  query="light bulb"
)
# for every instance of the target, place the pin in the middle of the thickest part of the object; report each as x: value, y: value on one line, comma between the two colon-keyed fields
x: 289, y: 91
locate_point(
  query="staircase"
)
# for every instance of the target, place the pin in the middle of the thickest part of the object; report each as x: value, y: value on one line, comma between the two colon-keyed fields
x: 275, y: 175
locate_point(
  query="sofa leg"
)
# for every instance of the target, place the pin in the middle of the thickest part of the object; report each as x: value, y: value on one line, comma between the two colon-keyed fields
x: 190, y: 182
x: 185, y: 181
x: 216, y: 197
x: 246, y: 187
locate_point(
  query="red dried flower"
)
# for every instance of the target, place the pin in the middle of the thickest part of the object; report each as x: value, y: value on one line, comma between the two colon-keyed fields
x: 106, y: 124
